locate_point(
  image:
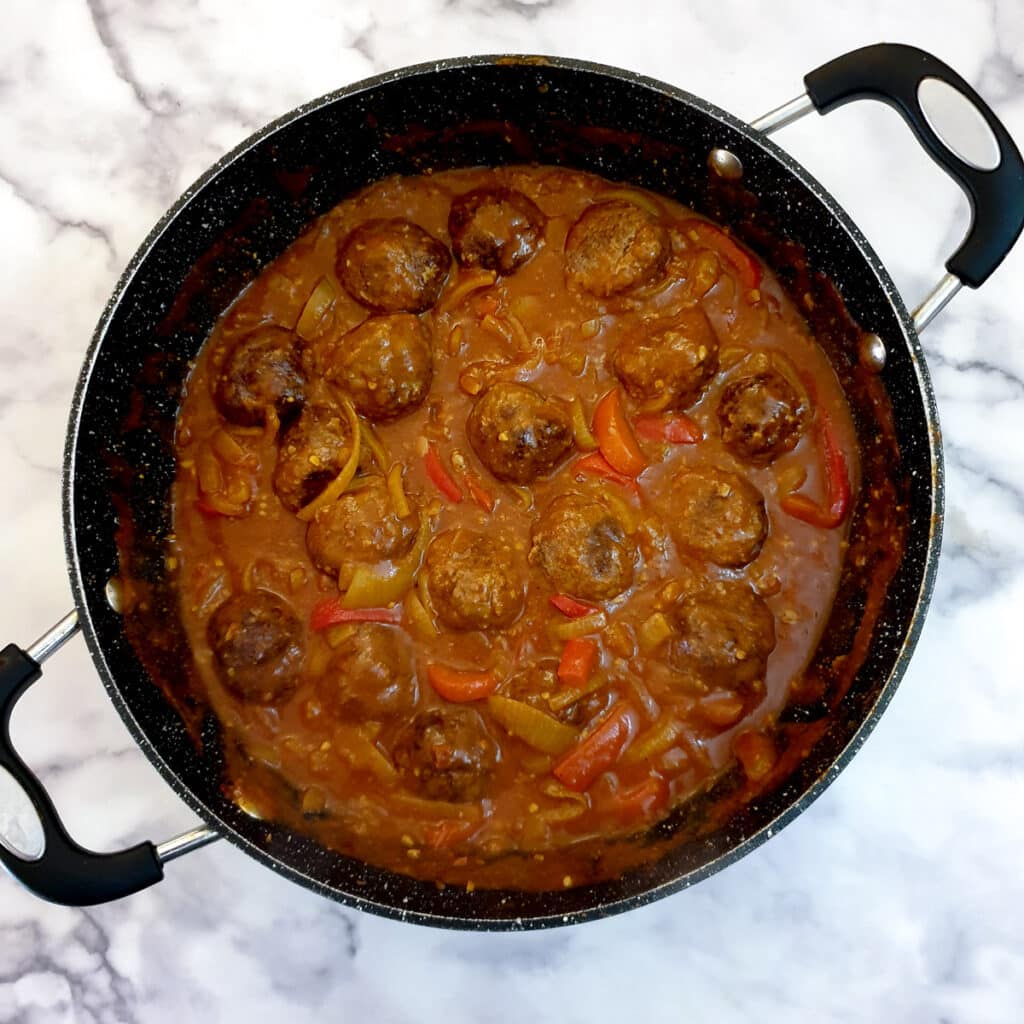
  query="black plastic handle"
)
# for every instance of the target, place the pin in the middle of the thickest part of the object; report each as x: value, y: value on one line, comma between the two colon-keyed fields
x: 892, y: 73
x: 65, y: 873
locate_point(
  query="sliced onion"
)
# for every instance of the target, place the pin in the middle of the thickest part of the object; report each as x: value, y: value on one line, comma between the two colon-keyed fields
x: 321, y: 299
x: 337, y: 486
x: 397, y: 492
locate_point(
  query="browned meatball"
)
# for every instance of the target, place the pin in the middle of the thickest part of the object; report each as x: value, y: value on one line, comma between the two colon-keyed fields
x: 670, y: 363
x: 260, y: 373
x: 473, y: 581
x: 762, y: 416
x: 312, y: 452
x: 495, y: 228
x: 583, y: 549
x: 518, y: 433
x: 725, y: 633
x: 258, y: 646
x: 718, y: 515
x: 370, y: 675
x: 385, y: 365
x: 446, y: 754
x: 393, y: 266
x: 360, y: 527
x: 613, y: 247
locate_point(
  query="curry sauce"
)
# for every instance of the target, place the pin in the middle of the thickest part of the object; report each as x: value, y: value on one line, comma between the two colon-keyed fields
x: 510, y: 505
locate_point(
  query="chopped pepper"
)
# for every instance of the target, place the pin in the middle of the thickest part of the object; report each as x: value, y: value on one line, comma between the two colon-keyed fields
x: 595, y: 464
x: 330, y: 612
x: 581, y: 432
x: 579, y: 656
x: 384, y: 584
x: 478, y: 492
x: 570, y: 607
x: 442, y: 835
x: 532, y: 725
x: 615, y: 436
x: 640, y: 802
x: 440, y: 477
x: 837, y: 484
x: 711, y: 237
x: 597, y: 751
x: 460, y: 685
x: 678, y: 429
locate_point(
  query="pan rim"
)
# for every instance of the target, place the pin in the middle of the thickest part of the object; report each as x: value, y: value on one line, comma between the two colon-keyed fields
x: 680, y: 882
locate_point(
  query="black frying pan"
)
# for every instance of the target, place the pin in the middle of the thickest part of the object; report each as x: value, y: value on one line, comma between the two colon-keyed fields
x: 245, y: 210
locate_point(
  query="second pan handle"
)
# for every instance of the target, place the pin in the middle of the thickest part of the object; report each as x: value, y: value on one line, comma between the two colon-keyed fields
x: 65, y: 872
x: 894, y: 73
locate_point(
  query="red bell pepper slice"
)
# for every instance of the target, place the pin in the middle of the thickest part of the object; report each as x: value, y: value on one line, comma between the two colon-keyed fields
x: 595, y: 464
x: 329, y: 612
x: 596, y: 752
x: 615, y: 436
x: 837, y: 484
x: 459, y: 685
x: 712, y: 237
x: 440, y: 477
x: 478, y: 492
x: 442, y: 835
x: 640, y: 802
x: 678, y: 429
x: 570, y: 607
x: 579, y: 656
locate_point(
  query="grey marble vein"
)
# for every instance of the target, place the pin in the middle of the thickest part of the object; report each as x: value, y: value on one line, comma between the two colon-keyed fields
x: 60, y: 221
x: 159, y: 105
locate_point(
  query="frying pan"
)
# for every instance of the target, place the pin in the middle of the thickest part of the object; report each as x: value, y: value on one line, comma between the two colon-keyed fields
x: 119, y: 459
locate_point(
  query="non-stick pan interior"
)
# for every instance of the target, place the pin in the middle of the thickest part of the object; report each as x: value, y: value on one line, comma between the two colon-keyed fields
x: 249, y: 207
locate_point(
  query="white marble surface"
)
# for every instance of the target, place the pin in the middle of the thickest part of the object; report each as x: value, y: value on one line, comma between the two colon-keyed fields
x: 899, y: 896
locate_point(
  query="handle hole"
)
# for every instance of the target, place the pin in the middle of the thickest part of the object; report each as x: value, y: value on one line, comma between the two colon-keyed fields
x: 959, y: 124
x: 21, y: 832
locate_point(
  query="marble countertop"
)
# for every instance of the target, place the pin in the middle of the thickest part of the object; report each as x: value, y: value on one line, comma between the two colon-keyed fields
x: 897, y: 897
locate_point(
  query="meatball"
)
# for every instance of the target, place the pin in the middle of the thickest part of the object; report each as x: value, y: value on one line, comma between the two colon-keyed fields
x: 312, y: 452
x: 385, y: 365
x: 613, y: 247
x: 473, y: 581
x: 724, y: 634
x: 370, y: 675
x: 496, y: 228
x: 718, y: 515
x: 762, y: 416
x: 446, y: 754
x: 583, y: 549
x: 393, y: 266
x: 360, y: 527
x: 670, y: 364
x: 258, y: 646
x: 260, y: 373
x: 518, y: 433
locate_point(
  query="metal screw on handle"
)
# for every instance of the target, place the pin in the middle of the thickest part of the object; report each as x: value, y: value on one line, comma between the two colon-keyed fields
x: 938, y: 298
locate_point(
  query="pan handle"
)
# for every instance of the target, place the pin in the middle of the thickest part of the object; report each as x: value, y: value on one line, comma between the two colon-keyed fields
x: 65, y: 872
x: 993, y: 182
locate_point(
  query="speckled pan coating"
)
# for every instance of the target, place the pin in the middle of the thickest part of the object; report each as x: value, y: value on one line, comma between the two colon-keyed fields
x: 247, y: 208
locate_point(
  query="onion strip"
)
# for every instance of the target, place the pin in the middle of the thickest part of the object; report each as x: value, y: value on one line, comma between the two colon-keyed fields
x: 337, y: 486
x: 397, y: 492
